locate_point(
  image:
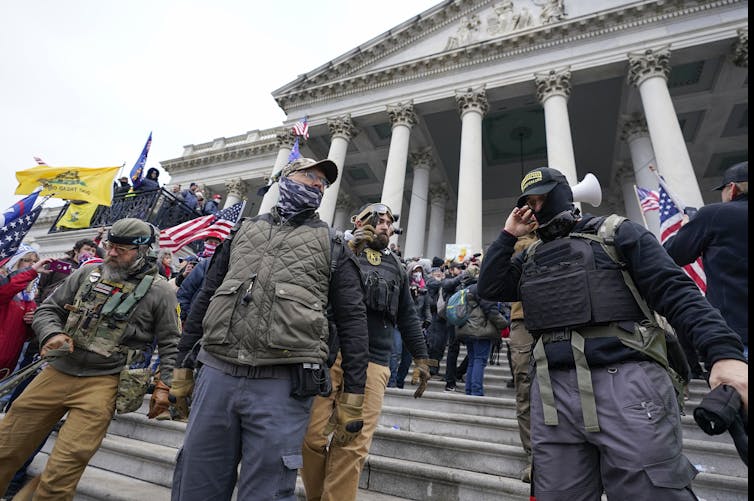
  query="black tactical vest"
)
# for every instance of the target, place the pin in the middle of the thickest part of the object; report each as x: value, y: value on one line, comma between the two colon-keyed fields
x: 382, y: 275
x: 562, y: 288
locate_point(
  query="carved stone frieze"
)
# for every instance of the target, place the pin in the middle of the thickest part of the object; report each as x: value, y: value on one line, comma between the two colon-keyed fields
x: 402, y: 114
x: 438, y: 194
x: 472, y: 100
x: 339, y: 79
x: 553, y: 83
x: 342, y: 127
x: 506, y: 20
x: 634, y: 126
x: 552, y: 12
x: 647, y: 64
x: 467, y: 32
x: 741, y: 49
x: 236, y: 187
x: 285, y: 138
x: 422, y: 159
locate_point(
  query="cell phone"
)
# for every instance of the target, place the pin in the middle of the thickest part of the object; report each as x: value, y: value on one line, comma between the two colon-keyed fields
x: 59, y: 266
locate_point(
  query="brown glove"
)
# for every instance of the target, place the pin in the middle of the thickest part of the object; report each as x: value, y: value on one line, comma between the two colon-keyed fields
x: 183, y: 382
x: 361, y: 237
x: 159, y: 402
x: 423, y: 365
x: 346, y: 420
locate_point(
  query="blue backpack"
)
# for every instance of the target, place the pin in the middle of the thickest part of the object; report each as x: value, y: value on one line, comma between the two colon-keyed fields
x: 458, y: 309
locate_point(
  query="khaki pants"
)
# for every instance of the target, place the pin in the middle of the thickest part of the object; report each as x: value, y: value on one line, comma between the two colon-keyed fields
x: 90, y: 403
x: 333, y: 474
x: 521, y: 343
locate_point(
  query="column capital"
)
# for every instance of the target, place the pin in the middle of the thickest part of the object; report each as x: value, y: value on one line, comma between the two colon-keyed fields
x: 342, y: 127
x: 422, y: 159
x: 741, y: 48
x: 472, y: 100
x: 402, y: 114
x: 285, y: 138
x: 438, y: 193
x: 553, y: 83
x: 344, y: 201
x: 624, y: 173
x: 236, y: 187
x: 647, y: 64
x: 634, y: 126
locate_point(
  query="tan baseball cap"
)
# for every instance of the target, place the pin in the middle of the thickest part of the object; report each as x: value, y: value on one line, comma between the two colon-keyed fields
x: 327, y: 166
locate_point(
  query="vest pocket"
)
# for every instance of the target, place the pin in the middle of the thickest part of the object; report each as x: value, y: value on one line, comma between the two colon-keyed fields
x: 298, y: 321
x: 217, y: 318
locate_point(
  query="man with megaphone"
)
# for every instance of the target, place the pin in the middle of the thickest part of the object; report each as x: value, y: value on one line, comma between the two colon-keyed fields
x: 602, y: 396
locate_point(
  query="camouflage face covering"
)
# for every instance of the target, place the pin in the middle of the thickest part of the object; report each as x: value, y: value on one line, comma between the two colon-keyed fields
x: 296, y: 197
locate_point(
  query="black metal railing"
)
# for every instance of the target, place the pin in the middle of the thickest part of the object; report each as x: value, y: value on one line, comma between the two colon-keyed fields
x: 158, y: 207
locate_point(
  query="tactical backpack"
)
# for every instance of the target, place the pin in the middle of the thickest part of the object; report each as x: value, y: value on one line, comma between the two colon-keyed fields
x: 458, y: 309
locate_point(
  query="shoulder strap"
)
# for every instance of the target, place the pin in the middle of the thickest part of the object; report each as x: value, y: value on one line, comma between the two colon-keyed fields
x: 606, y: 238
x: 336, y: 249
x: 530, y: 250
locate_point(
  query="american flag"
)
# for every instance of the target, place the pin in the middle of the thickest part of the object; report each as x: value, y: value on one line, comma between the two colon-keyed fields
x: 301, y: 128
x: 13, y: 233
x: 648, y: 199
x: 39, y: 161
x: 670, y: 223
x: 177, y: 237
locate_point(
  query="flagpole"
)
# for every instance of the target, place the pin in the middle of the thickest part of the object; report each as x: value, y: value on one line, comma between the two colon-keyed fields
x: 643, y: 217
x: 677, y: 201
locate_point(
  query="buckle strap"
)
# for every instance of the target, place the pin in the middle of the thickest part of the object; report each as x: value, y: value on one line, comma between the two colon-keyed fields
x: 545, y: 384
x: 584, y: 378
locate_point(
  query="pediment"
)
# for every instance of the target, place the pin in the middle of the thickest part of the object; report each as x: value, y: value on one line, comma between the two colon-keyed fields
x: 461, y: 30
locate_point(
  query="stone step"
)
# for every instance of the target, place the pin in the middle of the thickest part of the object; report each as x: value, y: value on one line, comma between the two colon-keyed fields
x: 492, y: 429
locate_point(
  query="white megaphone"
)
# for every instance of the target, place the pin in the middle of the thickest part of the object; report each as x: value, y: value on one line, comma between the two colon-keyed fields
x: 588, y: 190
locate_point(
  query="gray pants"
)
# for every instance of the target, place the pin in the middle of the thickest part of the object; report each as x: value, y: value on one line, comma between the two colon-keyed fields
x: 237, y: 419
x: 637, y: 453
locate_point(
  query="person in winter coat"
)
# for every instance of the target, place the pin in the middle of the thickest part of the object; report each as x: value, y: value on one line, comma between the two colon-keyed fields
x: 150, y: 182
x: 483, y: 326
x: 17, y: 304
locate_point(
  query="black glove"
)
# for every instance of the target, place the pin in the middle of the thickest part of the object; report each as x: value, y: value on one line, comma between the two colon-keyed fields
x: 721, y: 410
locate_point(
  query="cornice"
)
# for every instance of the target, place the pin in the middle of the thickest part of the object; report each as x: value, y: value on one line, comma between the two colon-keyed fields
x: 519, y: 43
x: 215, y: 152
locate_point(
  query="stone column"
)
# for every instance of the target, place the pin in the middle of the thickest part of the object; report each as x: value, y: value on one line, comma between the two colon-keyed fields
x: 285, y: 141
x: 636, y: 134
x: 553, y: 90
x: 343, y: 207
x: 342, y: 131
x: 624, y: 177
x: 438, y: 196
x: 422, y: 163
x: 403, y: 118
x: 741, y: 49
x: 472, y: 105
x: 237, y: 190
x: 649, y: 71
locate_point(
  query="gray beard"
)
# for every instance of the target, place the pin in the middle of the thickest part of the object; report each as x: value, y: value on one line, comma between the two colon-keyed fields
x: 112, y: 272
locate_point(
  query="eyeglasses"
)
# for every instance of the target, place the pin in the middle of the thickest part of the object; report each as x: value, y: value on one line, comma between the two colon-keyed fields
x: 120, y: 249
x: 314, y: 177
x: 28, y: 260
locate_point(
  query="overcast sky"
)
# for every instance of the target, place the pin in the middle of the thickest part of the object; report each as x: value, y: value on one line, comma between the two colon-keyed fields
x: 82, y: 83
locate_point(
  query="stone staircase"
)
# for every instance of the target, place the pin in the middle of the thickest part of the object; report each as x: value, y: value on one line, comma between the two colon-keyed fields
x: 444, y: 446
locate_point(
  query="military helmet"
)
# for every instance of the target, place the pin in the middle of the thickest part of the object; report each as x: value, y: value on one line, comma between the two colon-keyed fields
x: 131, y: 231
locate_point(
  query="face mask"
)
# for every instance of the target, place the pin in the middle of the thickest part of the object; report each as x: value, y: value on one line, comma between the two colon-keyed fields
x: 84, y: 257
x: 417, y: 276
x: 296, y: 197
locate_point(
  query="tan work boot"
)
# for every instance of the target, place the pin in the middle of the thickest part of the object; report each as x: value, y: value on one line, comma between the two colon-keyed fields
x: 415, y: 376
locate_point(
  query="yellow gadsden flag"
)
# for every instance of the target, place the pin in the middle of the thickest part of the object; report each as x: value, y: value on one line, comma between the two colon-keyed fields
x: 89, y: 184
x: 78, y: 215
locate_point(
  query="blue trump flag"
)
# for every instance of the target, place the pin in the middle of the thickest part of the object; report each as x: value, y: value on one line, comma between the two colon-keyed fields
x: 19, y: 209
x: 137, y: 173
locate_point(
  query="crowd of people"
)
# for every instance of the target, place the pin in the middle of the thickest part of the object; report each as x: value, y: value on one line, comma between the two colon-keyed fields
x: 296, y: 332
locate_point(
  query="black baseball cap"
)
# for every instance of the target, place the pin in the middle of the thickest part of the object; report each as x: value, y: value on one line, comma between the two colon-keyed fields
x: 540, y: 181
x: 738, y: 173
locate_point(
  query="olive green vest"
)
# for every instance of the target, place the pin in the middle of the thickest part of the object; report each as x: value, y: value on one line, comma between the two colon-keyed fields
x: 270, y: 307
x: 101, y: 310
